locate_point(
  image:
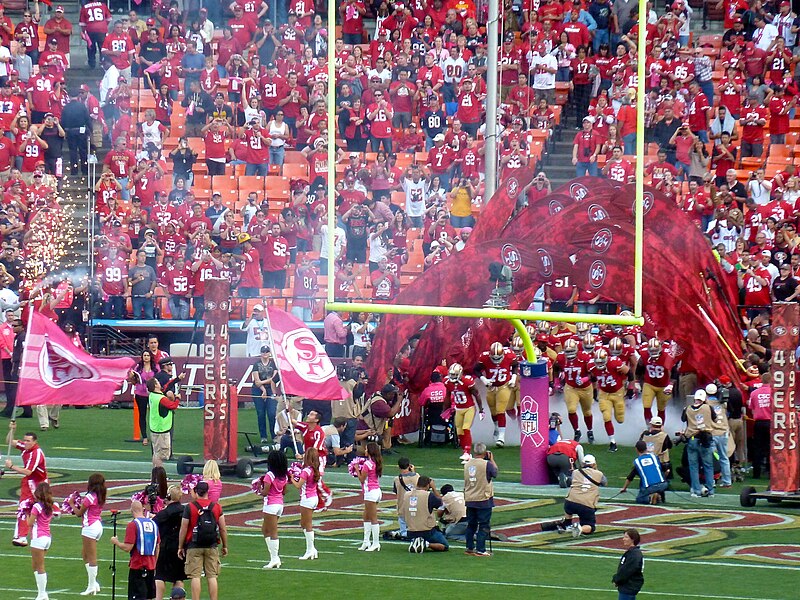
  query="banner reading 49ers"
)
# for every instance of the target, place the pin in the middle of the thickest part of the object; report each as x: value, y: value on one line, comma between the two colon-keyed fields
x: 784, y: 469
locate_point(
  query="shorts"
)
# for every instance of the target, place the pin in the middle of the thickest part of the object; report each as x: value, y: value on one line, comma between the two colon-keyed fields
x: 432, y: 536
x: 160, y: 443
x: 583, y: 396
x: 93, y: 531
x: 141, y: 584
x: 498, y: 399
x: 200, y: 561
x: 41, y: 543
x: 309, y: 502
x: 650, y: 391
x: 586, y: 514
x: 612, y: 401
x: 373, y: 495
x: 272, y: 509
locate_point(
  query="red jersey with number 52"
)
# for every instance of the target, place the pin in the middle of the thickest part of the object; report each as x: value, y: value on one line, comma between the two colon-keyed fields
x: 498, y: 374
x: 609, y: 379
x: 576, y: 371
x: 461, y: 391
x: 656, y: 370
x: 178, y: 281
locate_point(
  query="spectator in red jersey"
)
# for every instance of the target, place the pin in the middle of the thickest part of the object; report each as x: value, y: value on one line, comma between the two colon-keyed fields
x: 60, y: 29
x: 352, y: 13
x: 177, y: 283
x: 120, y: 162
x: 274, y: 254
x: 112, y: 275
x: 380, y: 114
x: 93, y: 20
x: 385, y: 284
x: 250, y: 285
x: 119, y: 47
x: 585, y: 148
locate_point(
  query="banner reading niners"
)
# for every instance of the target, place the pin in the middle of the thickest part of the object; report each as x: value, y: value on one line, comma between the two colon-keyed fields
x: 220, y: 406
x: 785, y: 455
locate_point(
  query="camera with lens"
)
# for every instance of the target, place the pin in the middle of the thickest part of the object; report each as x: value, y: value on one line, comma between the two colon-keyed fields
x: 555, y: 421
x: 373, y: 438
x: 151, y: 491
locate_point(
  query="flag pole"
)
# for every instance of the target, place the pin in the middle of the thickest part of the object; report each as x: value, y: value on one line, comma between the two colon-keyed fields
x: 280, y: 383
x: 713, y: 325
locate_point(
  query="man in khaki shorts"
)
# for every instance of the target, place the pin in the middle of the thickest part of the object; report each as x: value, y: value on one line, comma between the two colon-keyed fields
x: 202, y: 530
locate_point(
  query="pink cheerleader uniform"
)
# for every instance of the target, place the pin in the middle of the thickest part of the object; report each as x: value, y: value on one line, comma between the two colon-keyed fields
x: 92, y: 523
x: 308, y: 491
x: 214, y: 490
x: 40, y: 534
x: 273, y: 501
x: 371, y: 485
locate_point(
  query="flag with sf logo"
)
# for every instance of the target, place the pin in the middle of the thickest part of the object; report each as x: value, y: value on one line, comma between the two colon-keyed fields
x: 305, y: 367
x: 54, y: 371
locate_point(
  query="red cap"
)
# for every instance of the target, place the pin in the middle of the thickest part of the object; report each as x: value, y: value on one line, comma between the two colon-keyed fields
x: 59, y: 8
x: 85, y: 88
x: 738, y: 20
x: 724, y: 379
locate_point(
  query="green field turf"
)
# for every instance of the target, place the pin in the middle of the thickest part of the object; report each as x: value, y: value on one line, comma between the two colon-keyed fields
x: 693, y: 549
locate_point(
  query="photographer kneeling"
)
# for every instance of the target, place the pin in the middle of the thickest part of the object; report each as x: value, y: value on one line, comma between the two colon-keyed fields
x: 419, y: 511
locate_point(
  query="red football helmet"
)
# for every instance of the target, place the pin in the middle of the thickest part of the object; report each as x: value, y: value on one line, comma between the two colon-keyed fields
x: 615, y: 346
x: 601, y: 358
x: 571, y: 348
x: 654, y: 347
x: 496, y: 352
x: 588, y: 342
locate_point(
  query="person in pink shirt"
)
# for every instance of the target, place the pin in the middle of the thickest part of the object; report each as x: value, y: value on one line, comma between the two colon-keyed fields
x: 760, y: 406
x: 307, y: 482
x: 369, y: 474
x: 90, y: 510
x: 39, y: 523
x: 212, y: 477
x: 275, y: 482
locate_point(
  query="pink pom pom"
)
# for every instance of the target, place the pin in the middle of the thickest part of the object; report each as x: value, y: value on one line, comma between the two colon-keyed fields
x: 257, y: 486
x: 25, y: 508
x: 355, y: 465
x: 159, y: 505
x: 75, y: 498
x: 139, y: 496
x: 294, y: 470
x: 190, y: 482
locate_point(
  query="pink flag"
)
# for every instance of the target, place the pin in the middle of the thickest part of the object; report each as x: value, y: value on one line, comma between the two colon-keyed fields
x: 54, y: 371
x: 305, y: 368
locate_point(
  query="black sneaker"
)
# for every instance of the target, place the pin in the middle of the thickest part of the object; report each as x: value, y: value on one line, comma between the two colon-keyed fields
x: 590, y: 436
x: 562, y: 480
x: 612, y: 447
x: 577, y: 436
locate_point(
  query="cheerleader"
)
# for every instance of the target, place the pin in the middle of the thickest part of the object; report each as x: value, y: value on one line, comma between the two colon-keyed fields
x: 369, y: 474
x: 90, y: 508
x: 39, y: 523
x: 212, y: 477
x: 274, y: 487
x: 306, y: 481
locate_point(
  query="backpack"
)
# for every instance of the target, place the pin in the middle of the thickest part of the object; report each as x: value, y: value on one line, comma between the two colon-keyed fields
x: 206, y: 532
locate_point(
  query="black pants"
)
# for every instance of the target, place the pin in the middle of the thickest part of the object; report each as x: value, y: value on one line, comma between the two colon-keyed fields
x: 97, y: 39
x: 77, y: 143
x: 10, y: 386
x: 335, y: 350
x: 559, y: 463
x: 761, y: 441
x: 141, y: 584
x: 582, y: 93
x: 142, y: 402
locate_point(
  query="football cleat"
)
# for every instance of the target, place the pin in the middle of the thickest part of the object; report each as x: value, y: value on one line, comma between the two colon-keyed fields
x: 612, y: 447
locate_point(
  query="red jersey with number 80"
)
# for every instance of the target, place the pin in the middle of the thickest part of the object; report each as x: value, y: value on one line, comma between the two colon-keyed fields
x: 461, y: 391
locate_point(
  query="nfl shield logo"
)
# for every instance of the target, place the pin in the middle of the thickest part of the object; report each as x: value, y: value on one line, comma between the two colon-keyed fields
x: 529, y: 422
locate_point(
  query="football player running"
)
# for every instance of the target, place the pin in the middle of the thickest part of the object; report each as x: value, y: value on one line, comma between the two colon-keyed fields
x: 657, y: 381
x: 463, y: 397
x: 611, y: 374
x: 495, y: 368
x: 574, y: 364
